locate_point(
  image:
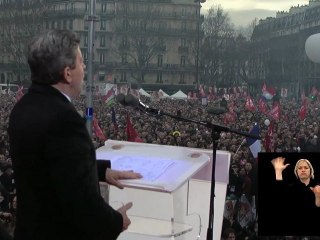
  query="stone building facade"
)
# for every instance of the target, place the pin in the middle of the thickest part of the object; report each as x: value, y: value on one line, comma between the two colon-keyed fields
x: 150, y: 44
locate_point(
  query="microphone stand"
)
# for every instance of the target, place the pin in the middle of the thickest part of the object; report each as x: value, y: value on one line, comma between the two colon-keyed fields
x: 216, y: 129
x: 239, y: 146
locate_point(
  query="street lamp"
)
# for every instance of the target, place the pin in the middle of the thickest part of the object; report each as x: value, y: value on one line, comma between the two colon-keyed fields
x: 92, y: 18
x: 198, y: 40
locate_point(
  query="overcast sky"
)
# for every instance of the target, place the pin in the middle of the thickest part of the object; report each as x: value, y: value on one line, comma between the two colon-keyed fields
x: 242, y: 12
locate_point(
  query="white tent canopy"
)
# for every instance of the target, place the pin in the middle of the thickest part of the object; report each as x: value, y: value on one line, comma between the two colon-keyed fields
x: 179, y: 95
x: 162, y: 94
x: 144, y: 93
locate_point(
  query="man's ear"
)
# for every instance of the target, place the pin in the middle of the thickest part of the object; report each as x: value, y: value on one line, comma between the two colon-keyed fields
x: 67, y: 74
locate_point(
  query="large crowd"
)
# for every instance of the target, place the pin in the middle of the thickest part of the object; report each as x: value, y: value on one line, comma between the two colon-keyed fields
x: 240, y: 217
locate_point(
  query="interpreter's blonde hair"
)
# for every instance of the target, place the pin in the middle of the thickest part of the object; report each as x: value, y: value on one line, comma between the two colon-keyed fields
x: 309, y: 164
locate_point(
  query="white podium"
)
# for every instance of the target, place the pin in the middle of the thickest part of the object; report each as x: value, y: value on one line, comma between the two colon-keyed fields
x: 172, y: 198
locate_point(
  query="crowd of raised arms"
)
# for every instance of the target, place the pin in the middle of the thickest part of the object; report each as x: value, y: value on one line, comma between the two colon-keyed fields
x: 290, y: 134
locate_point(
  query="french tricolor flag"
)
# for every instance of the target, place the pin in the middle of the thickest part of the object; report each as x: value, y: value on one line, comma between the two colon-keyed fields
x: 268, y: 92
x: 254, y: 144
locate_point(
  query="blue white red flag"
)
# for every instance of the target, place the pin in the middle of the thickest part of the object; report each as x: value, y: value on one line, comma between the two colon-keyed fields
x: 254, y: 144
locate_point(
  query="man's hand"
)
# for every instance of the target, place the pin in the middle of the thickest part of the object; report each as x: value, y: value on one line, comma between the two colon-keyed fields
x: 123, y: 210
x: 113, y: 176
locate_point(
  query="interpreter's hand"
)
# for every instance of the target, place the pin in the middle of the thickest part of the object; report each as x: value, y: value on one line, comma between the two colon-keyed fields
x: 123, y: 210
x: 279, y: 166
x: 316, y: 191
x: 113, y: 176
x: 278, y: 163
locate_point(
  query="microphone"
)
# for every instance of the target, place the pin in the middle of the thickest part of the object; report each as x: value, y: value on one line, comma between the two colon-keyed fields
x: 216, y: 110
x: 132, y: 101
x: 312, y: 47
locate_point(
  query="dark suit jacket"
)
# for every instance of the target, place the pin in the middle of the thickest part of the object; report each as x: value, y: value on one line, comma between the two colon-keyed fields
x: 56, y: 173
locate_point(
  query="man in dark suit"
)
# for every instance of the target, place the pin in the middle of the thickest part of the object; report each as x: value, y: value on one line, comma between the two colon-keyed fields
x: 54, y: 160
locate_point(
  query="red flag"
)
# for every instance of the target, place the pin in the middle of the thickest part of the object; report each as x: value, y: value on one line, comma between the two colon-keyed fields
x: 97, y: 130
x: 275, y: 111
x: 303, y: 111
x: 230, y: 116
x: 249, y: 104
x: 269, y: 138
x: 264, y: 88
x: 109, y: 96
x: 132, y: 135
x: 263, y: 107
x: 201, y: 91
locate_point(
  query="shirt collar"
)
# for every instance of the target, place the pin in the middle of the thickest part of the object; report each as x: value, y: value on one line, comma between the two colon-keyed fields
x: 66, y: 96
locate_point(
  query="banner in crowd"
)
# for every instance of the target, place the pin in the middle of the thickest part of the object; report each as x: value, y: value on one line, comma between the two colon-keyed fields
x: 254, y: 144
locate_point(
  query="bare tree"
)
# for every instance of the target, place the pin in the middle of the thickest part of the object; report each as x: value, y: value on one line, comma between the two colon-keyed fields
x: 217, y: 43
x: 138, y: 36
x: 242, y: 50
x: 21, y: 20
x: 247, y: 31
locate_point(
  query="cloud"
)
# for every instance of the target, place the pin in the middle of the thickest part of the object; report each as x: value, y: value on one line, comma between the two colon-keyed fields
x: 275, y: 5
x: 242, y: 12
x: 244, y: 17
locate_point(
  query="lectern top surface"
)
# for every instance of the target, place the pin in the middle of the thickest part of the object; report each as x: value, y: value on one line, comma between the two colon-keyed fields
x: 164, y: 168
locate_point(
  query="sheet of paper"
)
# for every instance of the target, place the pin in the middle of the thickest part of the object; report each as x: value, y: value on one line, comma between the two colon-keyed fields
x: 150, y: 169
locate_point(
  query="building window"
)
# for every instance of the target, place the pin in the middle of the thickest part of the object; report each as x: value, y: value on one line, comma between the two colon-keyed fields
x: 86, y: 25
x: 125, y: 24
x: 85, y: 43
x: 102, y: 41
x: 123, y: 77
x: 125, y: 41
x: 160, y: 60
x: 183, y: 26
x: 143, y: 25
x: 59, y: 25
x: 183, y: 60
x: 142, y: 42
x: 47, y: 25
x: 70, y: 24
x: 85, y: 55
x: 102, y: 57
x: 184, y: 12
x: 159, y: 77
x: 101, y: 78
x: 103, y: 7
x: 124, y: 58
x: 103, y: 25
x: 182, y: 81
x: 64, y: 24
x: 183, y: 42
x: 52, y: 25
x: 86, y: 7
x: 162, y: 25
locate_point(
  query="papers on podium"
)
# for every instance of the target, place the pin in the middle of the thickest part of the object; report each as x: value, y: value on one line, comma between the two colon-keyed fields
x: 164, y: 168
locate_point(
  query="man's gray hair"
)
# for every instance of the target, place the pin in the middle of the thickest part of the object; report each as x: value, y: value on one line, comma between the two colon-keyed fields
x: 50, y: 53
